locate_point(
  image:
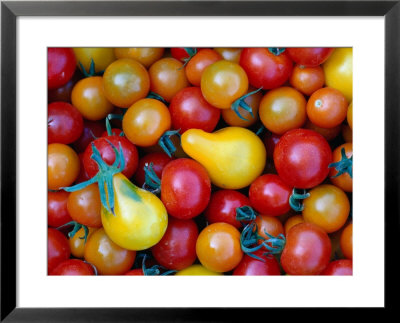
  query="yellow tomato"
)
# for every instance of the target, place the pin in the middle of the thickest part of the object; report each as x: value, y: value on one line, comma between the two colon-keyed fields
x: 77, y: 242
x: 102, y: 57
x: 338, y: 71
x: 196, y: 270
x: 234, y: 157
x: 140, y: 219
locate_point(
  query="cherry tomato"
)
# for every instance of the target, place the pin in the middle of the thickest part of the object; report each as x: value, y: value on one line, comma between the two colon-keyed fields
x: 181, y: 53
x: 63, y: 93
x: 253, y: 101
x: 283, y: 109
x: 310, y: 56
x: 107, y: 153
x: 57, y: 212
x: 341, y: 267
x: 307, y: 250
x: 73, y: 267
x: 167, y: 77
x: 350, y: 115
x: 62, y: 166
x: 135, y: 272
x: 144, y: 55
x: 222, y: 207
x: 250, y: 266
x: 185, y: 188
x: 268, y: 224
x: 327, y: 206
x: 230, y: 54
x: 64, y: 123
x: 198, y: 63
x: 269, y: 195
x: 327, y: 108
x: 91, y: 130
x: 177, y: 248
x: 307, y: 79
x: 347, y: 133
x: 223, y: 82
x: 159, y: 161
x: 61, y: 65
x: 125, y: 82
x: 343, y: 181
x: 145, y: 122
x: 265, y: 67
x: 84, y: 206
x: 346, y: 241
x: 57, y: 249
x: 189, y: 110
x: 328, y: 133
x: 301, y: 158
x: 77, y: 242
x: 196, y: 270
x: 89, y: 98
x: 218, y: 247
x: 102, y: 57
x: 106, y: 256
x: 292, y: 221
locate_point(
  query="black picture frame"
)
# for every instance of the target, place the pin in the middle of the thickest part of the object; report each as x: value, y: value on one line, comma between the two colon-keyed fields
x: 10, y: 10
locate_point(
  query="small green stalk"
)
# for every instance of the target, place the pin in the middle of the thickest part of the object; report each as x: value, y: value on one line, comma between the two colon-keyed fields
x: 245, y: 213
x: 345, y: 165
x: 241, y: 103
x: 276, y: 50
x: 166, y: 143
x: 76, y: 227
x: 296, y: 198
x: 92, y: 70
x: 152, y: 182
x: 155, y: 270
x: 153, y: 95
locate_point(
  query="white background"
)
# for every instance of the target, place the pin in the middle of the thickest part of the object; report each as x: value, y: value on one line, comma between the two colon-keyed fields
x: 364, y: 288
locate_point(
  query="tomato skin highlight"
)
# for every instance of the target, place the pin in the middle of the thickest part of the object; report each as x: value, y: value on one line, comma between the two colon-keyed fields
x: 64, y: 123
x: 301, y: 158
x: 177, y: 248
x: 307, y: 250
x: 61, y: 65
x: 185, y: 188
x: 57, y: 212
x: 341, y: 267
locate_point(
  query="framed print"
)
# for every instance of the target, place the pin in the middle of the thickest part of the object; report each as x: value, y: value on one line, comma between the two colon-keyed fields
x: 370, y: 29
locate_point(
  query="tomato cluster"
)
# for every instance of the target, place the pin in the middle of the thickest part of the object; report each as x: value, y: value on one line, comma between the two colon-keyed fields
x: 200, y: 161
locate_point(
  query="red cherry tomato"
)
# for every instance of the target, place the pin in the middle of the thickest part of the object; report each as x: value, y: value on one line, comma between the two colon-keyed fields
x: 310, y: 56
x: 58, y: 249
x: 307, y: 250
x: 63, y: 93
x: 159, y: 161
x: 180, y: 53
x: 269, y: 195
x: 64, y: 123
x: 270, y: 141
x: 341, y: 267
x: 177, y: 248
x: 250, y: 266
x: 57, y: 212
x: 190, y: 110
x: 302, y: 157
x: 91, y: 131
x: 223, y: 205
x: 73, y: 267
x: 107, y: 154
x: 135, y: 272
x: 264, y: 68
x: 185, y: 188
x: 61, y: 65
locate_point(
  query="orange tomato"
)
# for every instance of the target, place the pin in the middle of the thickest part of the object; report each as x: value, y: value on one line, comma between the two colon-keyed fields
x: 307, y: 79
x: 230, y: 54
x: 327, y: 133
x: 144, y: 55
x: 195, y: 67
x: 292, y: 221
x: 269, y: 224
x: 77, y: 242
x: 344, y: 181
x: 346, y: 241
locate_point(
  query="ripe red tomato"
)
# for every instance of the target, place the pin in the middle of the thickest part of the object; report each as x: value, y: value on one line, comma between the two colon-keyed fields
x: 177, y: 248
x: 307, y: 250
x: 63, y: 93
x: 341, y: 267
x: 302, y: 158
x: 185, y: 188
x: 181, y: 53
x: 57, y: 249
x: 159, y: 161
x: 310, y: 56
x: 269, y: 195
x: 264, y: 68
x: 108, y: 155
x: 64, y: 123
x: 57, y: 212
x: 190, y: 110
x: 223, y: 205
x: 73, y: 267
x: 61, y: 65
x: 250, y: 266
x: 268, y: 224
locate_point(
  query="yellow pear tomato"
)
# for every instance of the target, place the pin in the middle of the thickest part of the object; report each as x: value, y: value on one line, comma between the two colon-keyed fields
x: 338, y: 71
x: 234, y: 157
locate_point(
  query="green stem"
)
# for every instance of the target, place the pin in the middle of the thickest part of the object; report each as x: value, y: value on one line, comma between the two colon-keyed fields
x: 241, y: 103
x: 153, y: 95
x: 152, y: 182
x: 276, y: 50
x: 76, y: 227
x: 344, y: 165
x: 165, y: 141
x: 92, y: 70
x: 296, y: 198
x: 245, y: 213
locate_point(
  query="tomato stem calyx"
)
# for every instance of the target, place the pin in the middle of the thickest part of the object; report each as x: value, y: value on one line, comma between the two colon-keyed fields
x: 153, y: 95
x: 75, y: 229
x: 165, y: 141
x: 92, y: 70
x: 276, y: 50
x: 241, y: 103
x: 155, y: 270
x: 345, y: 165
x: 295, y: 200
x: 104, y: 177
x: 245, y: 213
x: 152, y: 181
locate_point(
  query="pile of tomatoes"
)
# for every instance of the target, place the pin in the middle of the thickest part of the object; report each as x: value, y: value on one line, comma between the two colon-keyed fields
x: 200, y: 161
